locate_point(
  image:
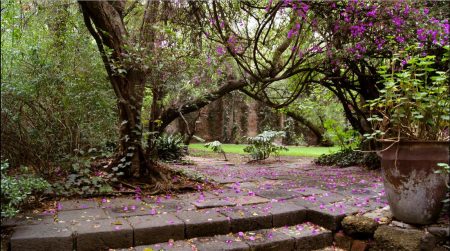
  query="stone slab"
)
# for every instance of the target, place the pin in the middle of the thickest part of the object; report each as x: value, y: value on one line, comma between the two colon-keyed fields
x: 156, y: 228
x: 277, y: 194
x: 268, y: 239
x: 120, y: 202
x: 204, y: 223
x: 248, y: 200
x: 82, y: 215
x: 247, y: 218
x: 103, y: 234
x: 329, y: 216
x: 77, y: 204
x: 214, y: 202
x: 43, y: 237
x: 169, y: 246
x: 307, y: 191
x: 28, y: 220
x: 285, y: 214
x: 221, y: 242
x: 130, y: 211
x: 308, y: 236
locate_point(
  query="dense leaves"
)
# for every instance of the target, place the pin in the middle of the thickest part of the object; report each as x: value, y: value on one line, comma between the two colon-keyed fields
x: 262, y: 145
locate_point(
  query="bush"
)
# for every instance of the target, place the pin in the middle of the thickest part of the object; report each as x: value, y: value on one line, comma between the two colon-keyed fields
x: 16, y: 190
x: 349, y: 157
x: 216, y: 147
x: 170, y: 147
x: 262, y: 145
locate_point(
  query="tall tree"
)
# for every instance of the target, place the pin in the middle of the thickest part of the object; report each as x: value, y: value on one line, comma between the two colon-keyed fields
x: 131, y: 48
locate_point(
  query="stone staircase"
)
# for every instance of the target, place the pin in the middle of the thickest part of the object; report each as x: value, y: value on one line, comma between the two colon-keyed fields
x: 265, y: 226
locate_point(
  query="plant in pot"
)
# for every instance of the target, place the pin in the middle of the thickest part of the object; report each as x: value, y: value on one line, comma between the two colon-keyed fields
x: 411, y: 119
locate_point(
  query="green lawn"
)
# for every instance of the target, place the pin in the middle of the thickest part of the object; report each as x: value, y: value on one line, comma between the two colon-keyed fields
x: 301, y: 151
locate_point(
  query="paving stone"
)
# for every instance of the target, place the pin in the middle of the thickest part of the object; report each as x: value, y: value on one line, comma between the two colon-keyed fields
x: 268, y: 239
x: 309, y: 236
x: 28, y: 220
x: 330, y: 197
x: 82, y: 215
x: 247, y: 218
x: 329, y: 216
x: 172, y: 205
x: 42, y: 237
x: 248, y: 200
x: 129, y: 211
x: 204, y: 223
x: 77, y: 204
x: 285, y: 213
x: 215, y: 202
x: 103, y: 234
x: 221, y: 242
x: 307, y: 202
x: 244, y: 185
x: 169, y: 246
x: 120, y: 203
x: 156, y: 228
x: 307, y: 191
x: 277, y: 194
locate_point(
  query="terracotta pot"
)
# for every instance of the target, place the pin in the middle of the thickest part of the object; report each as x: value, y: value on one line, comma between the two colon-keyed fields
x: 413, y: 189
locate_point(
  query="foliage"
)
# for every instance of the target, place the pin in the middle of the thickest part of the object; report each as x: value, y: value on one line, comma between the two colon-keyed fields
x: 414, y: 101
x: 349, y: 157
x: 342, y: 135
x: 262, y: 145
x: 216, y: 147
x: 54, y: 93
x: 82, y: 180
x: 16, y: 190
x: 170, y: 147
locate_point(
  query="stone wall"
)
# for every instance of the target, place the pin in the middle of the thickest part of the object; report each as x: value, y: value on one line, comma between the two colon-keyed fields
x: 232, y: 118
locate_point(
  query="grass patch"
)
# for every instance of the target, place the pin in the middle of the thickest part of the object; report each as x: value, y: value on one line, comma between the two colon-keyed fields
x: 298, y: 151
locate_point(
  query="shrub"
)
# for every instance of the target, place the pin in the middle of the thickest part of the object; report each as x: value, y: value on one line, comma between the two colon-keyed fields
x: 170, y: 147
x: 216, y: 147
x: 349, y: 157
x: 262, y: 145
x: 16, y: 190
x: 82, y: 180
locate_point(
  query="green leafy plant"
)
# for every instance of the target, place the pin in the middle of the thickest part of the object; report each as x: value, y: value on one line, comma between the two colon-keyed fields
x: 170, y: 147
x: 16, y: 190
x: 348, y: 157
x: 83, y: 181
x: 262, y: 145
x: 216, y: 147
x: 343, y: 136
x: 414, y: 101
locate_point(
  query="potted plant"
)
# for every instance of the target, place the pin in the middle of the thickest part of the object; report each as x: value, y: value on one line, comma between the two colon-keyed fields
x: 411, y: 118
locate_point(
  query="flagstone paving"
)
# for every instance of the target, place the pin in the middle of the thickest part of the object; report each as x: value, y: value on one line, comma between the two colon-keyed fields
x: 258, y: 207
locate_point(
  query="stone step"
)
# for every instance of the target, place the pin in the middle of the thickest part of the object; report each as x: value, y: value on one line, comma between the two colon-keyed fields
x: 305, y: 236
x: 94, y: 229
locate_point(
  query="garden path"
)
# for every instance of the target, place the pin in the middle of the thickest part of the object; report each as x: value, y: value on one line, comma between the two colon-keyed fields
x: 283, y: 205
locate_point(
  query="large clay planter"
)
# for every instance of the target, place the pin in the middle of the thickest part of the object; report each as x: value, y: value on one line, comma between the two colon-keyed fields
x: 413, y: 189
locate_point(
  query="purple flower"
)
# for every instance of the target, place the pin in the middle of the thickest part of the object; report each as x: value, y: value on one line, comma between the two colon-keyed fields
x: 220, y: 50
x: 400, y: 39
x: 372, y: 13
x: 421, y: 35
x: 398, y: 21
x: 426, y: 11
x: 357, y: 30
